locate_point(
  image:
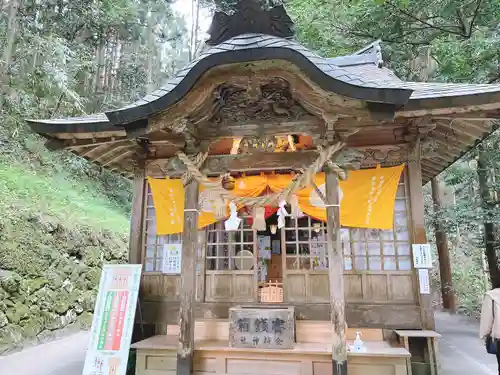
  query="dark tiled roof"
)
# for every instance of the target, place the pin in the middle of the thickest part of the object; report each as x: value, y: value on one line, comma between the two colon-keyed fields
x: 252, y: 47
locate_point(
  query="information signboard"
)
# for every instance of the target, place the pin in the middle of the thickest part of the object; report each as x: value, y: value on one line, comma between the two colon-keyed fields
x: 113, y: 321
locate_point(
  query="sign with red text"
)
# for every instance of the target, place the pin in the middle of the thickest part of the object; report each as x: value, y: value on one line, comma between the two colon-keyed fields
x: 113, y: 321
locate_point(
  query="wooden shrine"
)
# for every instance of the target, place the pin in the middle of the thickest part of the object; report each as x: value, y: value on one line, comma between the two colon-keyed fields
x: 257, y: 104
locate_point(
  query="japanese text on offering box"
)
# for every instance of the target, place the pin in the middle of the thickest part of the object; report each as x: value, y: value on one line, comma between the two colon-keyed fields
x: 261, y: 328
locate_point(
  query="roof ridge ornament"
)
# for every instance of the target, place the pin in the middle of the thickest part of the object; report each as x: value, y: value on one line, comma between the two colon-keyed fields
x: 239, y: 17
x: 374, y: 48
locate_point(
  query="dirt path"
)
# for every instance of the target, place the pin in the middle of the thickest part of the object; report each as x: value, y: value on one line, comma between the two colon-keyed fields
x: 462, y: 353
x: 61, y: 357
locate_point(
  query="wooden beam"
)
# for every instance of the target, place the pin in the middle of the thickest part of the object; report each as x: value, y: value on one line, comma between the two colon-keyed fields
x: 447, y: 291
x: 335, y: 274
x: 418, y: 225
x: 185, y: 349
x: 110, y: 151
x: 215, y: 165
x: 118, y: 157
x: 270, y: 161
x: 83, y: 143
x: 136, y: 220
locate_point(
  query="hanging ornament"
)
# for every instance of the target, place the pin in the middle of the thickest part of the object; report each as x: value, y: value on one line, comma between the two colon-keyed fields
x: 213, y: 203
x: 282, y: 214
x: 259, y: 219
x: 296, y: 211
x: 228, y: 182
x: 234, y: 221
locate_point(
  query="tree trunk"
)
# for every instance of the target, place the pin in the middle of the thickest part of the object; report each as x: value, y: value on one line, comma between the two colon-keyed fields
x: 151, y: 54
x: 100, y: 75
x: 490, y: 238
x: 9, y: 48
x: 447, y: 292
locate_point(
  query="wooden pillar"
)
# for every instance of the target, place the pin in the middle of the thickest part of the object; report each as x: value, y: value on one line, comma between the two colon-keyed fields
x: 335, y: 275
x: 137, y: 215
x: 418, y: 226
x: 185, y: 348
x: 447, y: 292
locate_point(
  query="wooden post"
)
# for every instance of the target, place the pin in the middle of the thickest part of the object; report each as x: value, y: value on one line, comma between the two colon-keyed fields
x: 447, y: 292
x: 185, y: 349
x: 418, y: 226
x: 335, y: 275
x: 137, y: 215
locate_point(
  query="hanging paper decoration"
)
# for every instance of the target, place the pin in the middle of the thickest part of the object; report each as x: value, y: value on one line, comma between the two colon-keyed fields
x: 282, y: 214
x: 269, y: 211
x: 259, y: 218
x: 212, y: 203
x: 296, y: 211
x: 234, y: 221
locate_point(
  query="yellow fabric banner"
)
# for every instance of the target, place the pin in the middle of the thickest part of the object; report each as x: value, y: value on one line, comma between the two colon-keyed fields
x: 168, y: 200
x: 366, y: 198
x: 251, y: 186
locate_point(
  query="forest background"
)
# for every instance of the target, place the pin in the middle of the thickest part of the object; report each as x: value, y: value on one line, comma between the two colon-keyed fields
x: 61, y: 217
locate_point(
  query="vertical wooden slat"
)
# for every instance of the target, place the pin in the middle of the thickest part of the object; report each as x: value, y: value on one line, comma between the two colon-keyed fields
x: 418, y: 226
x: 136, y: 221
x: 335, y: 275
x: 185, y: 349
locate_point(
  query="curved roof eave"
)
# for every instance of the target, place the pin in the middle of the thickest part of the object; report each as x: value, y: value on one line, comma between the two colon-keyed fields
x: 258, y: 47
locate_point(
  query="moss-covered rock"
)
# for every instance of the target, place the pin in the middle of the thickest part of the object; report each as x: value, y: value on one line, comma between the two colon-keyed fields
x: 3, y: 320
x: 45, y: 298
x: 92, y: 256
x: 85, y: 320
x: 11, y: 337
x: 32, y: 326
x: 54, y: 321
x: 36, y: 284
x: 9, y: 281
x: 17, y: 313
x: 87, y: 300
x: 93, y: 276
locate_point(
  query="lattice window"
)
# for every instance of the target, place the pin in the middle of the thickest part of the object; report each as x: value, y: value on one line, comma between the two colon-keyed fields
x: 364, y: 249
x: 230, y: 250
x: 378, y: 250
x: 305, y: 244
x: 153, y: 244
